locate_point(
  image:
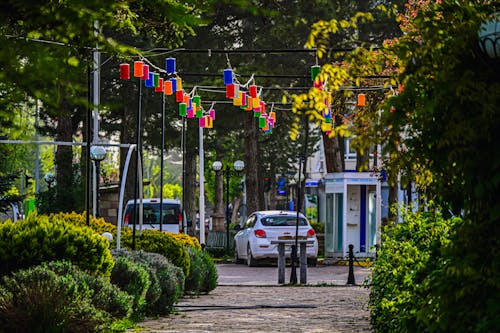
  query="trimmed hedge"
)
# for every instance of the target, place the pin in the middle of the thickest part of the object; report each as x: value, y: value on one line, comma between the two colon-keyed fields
x: 37, y: 239
x: 134, y: 280
x: 105, y: 295
x: 170, y: 278
x: 203, y: 277
x: 37, y: 300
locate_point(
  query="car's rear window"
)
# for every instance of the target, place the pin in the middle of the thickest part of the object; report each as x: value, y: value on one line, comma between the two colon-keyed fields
x: 282, y: 221
x: 151, y: 213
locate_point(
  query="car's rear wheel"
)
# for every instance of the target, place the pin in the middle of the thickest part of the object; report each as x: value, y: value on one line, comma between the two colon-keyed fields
x: 237, y: 259
x: 312, y: 262
x: 251, y: 262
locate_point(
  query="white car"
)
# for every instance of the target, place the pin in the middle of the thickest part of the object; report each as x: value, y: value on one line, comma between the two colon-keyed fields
x: 253, y: 241
x: 12, y: 213
x: 172, y: 215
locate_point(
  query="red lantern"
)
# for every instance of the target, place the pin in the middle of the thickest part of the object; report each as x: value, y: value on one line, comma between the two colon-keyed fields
x: 230, y: 90
x: 253, y: 91
x: 124, y: 71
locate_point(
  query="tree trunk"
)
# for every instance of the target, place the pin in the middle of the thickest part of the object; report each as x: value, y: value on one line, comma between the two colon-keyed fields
x: 251, y: 164
x: 66, y: 200
x: 334, y: 153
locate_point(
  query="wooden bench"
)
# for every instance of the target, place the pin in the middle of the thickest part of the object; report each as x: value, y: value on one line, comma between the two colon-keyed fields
x: 217, y: 240
x: 302, y: 253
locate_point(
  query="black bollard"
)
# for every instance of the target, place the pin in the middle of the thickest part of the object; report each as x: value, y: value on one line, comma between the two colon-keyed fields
x: 293, y: 268
x: 350, y: 278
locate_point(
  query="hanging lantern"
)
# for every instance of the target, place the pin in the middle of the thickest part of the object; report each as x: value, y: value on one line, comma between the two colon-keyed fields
x: 272, y: 118
x: 262, y: 121
x: 315, y: 70
x: 266, y: 127
x: 189, y: 102
x: 199, y: 112
x: 237, y: 100
x: 230, y: 90
x: 156, y: 79
x: 211, y: 112
x: 145, y: 72
x: 249, y: 106
x: 361, y: 100
x: 190, y: 113
x: 209, y: 122
x: 253, y: 90
x: 182, y: 109
x: 228, y: 76
x: 256, y: 103
x: 318, y: 84
x: 124, y: 71
x: 197, y: 100
x: 236, y: 90
x: 262, y: 107
x: 138, y: 69
x: 256, y: 113
x: 159, y: 88
x: 179, y: 96
x: 174, y: 85
x: 243, y: 96
x: 179, y: 83
x: 170, y: 65
x: 202, y: 121
x: 150, y: 81
x: 167, y: 87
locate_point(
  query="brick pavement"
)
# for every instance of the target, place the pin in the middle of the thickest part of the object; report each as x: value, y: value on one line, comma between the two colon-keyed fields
x: 249, y: 300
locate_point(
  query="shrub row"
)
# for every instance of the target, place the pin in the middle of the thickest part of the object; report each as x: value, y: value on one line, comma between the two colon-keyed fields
x: 37, y: 239
x: 59, y: 297
x: 129, y: 286
x: 401, y: 297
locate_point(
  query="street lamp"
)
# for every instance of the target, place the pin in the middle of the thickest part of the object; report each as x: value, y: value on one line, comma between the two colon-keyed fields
x: 238, y: 167
x: 97, y: 154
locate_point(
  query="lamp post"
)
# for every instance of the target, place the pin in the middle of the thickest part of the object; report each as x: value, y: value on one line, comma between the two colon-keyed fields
x: 49, y: 179
x: 97, y: 154
x: 217, y: 167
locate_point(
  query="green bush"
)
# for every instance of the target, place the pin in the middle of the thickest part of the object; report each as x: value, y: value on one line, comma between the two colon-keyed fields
x: 209, y: 281
x: 37, y: 300
x: 203, y: 274
x: 105, y: 295
x: 134, y: 280
x: 401, y: 297
x: 37, y: 239
x: 163, y: 243
x: 169, y: 276
x: 196, y: 274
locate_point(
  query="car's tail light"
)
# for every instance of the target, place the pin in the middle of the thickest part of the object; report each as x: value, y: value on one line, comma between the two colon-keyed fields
x: 180, y: 223
x: 259, y: 233
x: 126, y: 218
x: 310, y: 233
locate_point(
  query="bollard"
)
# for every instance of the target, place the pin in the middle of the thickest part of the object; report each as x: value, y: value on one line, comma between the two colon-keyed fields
x: 293, y: 272
x: 350, y: 277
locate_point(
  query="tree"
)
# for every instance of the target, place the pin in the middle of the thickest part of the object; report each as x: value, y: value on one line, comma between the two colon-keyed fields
x: 444, y: 112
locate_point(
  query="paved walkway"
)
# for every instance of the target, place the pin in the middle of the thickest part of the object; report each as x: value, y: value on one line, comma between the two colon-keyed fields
x: 248, y: 299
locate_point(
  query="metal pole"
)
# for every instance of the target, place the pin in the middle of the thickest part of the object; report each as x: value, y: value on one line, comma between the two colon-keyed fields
x: 95, y: 138
x: 98, y: 179
x: 87, y: 169
x: 161, y: 157
x: 293, y: 273
x: 137, y: 160
x: 183, y: 147
x: 227, y: 209
x: 202, y: 189
x: 37, y: 150
x: 122, y: 192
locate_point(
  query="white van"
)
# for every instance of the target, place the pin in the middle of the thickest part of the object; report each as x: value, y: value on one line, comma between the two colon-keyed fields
x: 172, y: 215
